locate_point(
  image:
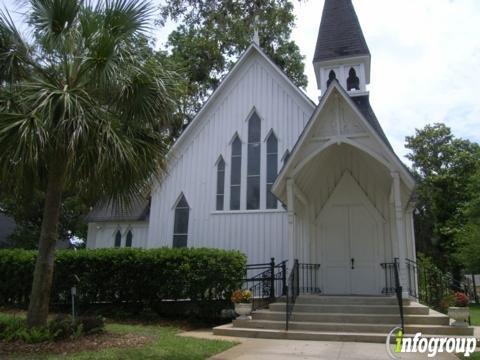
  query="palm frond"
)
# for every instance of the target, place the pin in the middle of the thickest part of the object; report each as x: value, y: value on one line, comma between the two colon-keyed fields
x: 15, y: 53
x: 53, y: 18
x: 124, y: 18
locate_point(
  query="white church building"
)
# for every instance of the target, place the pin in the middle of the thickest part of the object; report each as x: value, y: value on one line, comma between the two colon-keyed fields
x: 265, y: 170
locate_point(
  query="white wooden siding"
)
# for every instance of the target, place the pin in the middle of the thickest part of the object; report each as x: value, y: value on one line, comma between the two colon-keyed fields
x: 260, y: 234
x: 102, y: 234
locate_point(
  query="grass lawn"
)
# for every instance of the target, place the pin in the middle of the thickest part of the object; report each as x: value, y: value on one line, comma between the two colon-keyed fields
x: 475, y: 314
x: 159, y: 342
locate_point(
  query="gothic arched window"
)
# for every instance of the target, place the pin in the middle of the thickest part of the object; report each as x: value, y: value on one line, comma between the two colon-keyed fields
x: 236, y: 174
x: 180, y: 223
x: 118, y: 239
x: 272, y: 169
x: 129, y: 240
x: 220, y: 183
x: 331, y: 76
x: 253, y: 164
x: 353, y: 82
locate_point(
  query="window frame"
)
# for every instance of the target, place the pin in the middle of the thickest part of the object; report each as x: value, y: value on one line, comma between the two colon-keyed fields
x: 254, y: 162
x: 117, y: 239
x: 129, y: 238
x: 236, y: 166
x: 271, y: 158
x: 179, y: 209
x: 220, y: 188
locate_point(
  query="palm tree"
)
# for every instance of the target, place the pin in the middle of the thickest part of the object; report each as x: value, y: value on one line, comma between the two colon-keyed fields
x: 83, y: 101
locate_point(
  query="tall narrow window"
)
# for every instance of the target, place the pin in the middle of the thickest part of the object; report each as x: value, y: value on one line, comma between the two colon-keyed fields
x: 128, y: 241
x: 331, y: 76
x: 220, y: 183
x: 180, y: 226
x: 353, y: 82
x: 118, y: 239
x: 253, y: 165
x: 272, y: 169
x: 235, y: 175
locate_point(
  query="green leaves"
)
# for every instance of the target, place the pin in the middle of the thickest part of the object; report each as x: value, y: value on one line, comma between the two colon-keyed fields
x: 88, y: 89
x: 213, y: 33
x: 128, y: 275
x: 53, y: 17
x: 443, y: 166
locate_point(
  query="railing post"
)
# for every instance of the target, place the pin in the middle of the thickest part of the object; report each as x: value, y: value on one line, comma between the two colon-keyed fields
x: 399, y: 290
x: 272, y: 278
x: 284, y: 278
x: 297, y: 285
x: 474, y: 285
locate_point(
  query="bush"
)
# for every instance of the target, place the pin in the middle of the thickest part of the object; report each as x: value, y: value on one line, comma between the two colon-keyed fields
x: 127, y: 276
x: 15, y: 328
x: 91, y: 324
x: 60, y: 328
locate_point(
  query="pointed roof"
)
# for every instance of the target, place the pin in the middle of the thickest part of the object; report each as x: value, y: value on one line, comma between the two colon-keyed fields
x: 340, y: 34
x: 361, y: 105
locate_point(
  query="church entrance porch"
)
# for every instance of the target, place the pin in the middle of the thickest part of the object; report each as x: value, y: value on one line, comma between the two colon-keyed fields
x: 343, y: 220
x: 348, y: 199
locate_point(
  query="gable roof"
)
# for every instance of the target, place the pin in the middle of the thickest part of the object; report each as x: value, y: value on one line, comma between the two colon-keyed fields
x: 253, y: 48
x: 138, y: 210
x: 362, y: 106
x: 340, y: 34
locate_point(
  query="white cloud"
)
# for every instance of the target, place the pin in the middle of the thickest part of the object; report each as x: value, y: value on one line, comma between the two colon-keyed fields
x: 425, y: 62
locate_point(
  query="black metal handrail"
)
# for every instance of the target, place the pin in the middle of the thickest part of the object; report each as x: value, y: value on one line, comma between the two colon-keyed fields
x: 267, y: 285
x: 399, y: 291
x: 393, y: 286
x: 293, y: 289
x: 412, y: 278
x: 429, y: 285
x: 389, y: 288
x: 308, y: 278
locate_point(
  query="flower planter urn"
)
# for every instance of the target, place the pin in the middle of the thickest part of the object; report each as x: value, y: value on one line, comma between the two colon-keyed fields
x: 460, y: 315
x: 243, y: 309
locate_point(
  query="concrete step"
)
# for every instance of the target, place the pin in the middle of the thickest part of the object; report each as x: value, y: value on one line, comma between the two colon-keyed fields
x: 349, y: 300
x: 229, y: 330
x: 394, y: 319
x: 383, y: 329
x: 413, y: 308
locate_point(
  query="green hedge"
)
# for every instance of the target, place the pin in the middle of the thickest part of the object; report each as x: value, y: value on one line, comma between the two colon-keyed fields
x: 127, y: 275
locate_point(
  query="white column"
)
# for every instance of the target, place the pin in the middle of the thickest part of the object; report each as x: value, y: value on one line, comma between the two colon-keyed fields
x: 291, y: 222
x: 400, y: 227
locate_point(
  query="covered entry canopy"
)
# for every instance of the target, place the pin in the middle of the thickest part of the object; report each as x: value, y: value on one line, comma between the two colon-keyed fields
x: 348, y: 197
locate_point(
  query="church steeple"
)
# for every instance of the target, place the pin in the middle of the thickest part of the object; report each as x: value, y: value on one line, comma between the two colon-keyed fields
x: 341, y: 52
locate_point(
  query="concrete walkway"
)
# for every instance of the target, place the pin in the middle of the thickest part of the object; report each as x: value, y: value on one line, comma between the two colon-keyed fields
x: 263, y: 349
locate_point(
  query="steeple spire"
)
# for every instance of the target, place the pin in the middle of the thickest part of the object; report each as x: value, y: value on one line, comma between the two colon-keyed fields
x: 341, y: 51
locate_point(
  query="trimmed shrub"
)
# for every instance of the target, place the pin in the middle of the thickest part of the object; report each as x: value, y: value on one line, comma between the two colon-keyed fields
x: 127, y: 276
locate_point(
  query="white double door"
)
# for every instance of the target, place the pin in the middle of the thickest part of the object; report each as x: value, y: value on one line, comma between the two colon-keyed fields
x: 350, y: 250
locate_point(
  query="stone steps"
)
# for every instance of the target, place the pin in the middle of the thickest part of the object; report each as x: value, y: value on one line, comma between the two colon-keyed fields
x: 348, y: 300
x: 342, y: 318
x: 432, y: 319
x: 351, y: 327
x: 416, y: 309
x: 230, y: 330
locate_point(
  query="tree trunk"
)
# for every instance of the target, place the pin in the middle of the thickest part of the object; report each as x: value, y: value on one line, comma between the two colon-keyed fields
x: 43, y: 275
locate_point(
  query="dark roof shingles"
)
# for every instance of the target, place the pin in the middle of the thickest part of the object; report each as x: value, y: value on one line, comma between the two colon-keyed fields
x: 137, y: 211
x: 340, y: 34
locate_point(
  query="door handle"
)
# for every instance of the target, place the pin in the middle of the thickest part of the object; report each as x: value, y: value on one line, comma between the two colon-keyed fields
x: 353, y: 263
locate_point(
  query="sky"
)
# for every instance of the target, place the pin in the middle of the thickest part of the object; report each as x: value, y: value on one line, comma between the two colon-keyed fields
x: 425, y: 61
